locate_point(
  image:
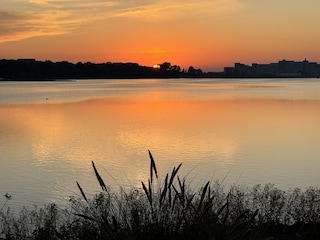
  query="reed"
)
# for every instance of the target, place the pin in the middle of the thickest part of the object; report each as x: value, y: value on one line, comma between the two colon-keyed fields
x: 8, y: 197
x: 169, y: 209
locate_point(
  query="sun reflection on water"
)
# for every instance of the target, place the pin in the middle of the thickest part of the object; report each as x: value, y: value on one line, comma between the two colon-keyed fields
x: 260, y: 140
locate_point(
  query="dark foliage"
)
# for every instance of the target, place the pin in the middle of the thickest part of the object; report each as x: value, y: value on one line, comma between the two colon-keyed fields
x: 169, y: 210
x: 30, y: 69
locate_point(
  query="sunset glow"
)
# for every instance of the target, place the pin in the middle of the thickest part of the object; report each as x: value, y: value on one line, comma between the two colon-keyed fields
x: 205, y: 34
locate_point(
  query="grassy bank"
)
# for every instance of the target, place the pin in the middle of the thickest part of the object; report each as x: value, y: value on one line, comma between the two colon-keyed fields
x: 169, y: 209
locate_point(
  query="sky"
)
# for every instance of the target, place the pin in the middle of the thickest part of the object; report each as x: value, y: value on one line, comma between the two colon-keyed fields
x: 206, y: 34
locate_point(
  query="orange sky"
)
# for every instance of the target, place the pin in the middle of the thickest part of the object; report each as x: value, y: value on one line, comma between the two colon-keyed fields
x: 207, y: 34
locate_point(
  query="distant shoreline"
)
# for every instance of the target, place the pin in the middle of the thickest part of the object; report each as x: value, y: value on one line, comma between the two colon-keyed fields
x: 33, y: 70
x: 128, y: 78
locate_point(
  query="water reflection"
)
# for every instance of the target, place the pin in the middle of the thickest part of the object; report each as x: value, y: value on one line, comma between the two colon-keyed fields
x: 46, y: 147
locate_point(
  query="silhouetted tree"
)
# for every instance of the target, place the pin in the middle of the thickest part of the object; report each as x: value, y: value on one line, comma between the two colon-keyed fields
x: 191, y: 70
x: 30, y: 69
x: 194, y: 72
x: 175, y: 68
x: 165, y: 66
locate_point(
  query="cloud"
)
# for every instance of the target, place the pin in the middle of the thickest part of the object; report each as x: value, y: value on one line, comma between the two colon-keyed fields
x: 39, y: 1
x: 21, y: 19
x: 176, y: 9
x: 15, y: 26
x: 30, y: 18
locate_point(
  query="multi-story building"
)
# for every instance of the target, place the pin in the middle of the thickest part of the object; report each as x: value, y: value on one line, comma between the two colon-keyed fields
x: 282, y: 68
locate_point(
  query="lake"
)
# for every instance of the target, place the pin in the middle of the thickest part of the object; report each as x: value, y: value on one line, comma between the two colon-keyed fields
x: 242, y: 131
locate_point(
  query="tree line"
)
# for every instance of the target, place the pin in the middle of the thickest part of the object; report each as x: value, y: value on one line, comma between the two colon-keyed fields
x: 31, y: 69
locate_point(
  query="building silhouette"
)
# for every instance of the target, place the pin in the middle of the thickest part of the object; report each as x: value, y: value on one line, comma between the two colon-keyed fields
x: 282, y: 68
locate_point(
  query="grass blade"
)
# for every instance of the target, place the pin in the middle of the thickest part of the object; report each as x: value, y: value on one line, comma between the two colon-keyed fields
x: 174, y: 173
x: 153, y: 167
x: 83, y: 195
x: 86, y: 217
x: 100, y: 180
x: 204, y: 191
x: 164, y: 191
x: 147, y: 193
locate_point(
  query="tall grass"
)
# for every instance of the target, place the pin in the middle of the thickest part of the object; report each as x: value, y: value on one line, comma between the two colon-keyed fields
x: 163, y: 210
x: 169, y: 209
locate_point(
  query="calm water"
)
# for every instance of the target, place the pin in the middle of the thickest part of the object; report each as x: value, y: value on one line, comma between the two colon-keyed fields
x: 242, y: 131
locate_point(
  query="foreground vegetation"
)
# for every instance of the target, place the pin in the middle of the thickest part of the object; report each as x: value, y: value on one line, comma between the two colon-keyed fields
x: 171, y: 210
